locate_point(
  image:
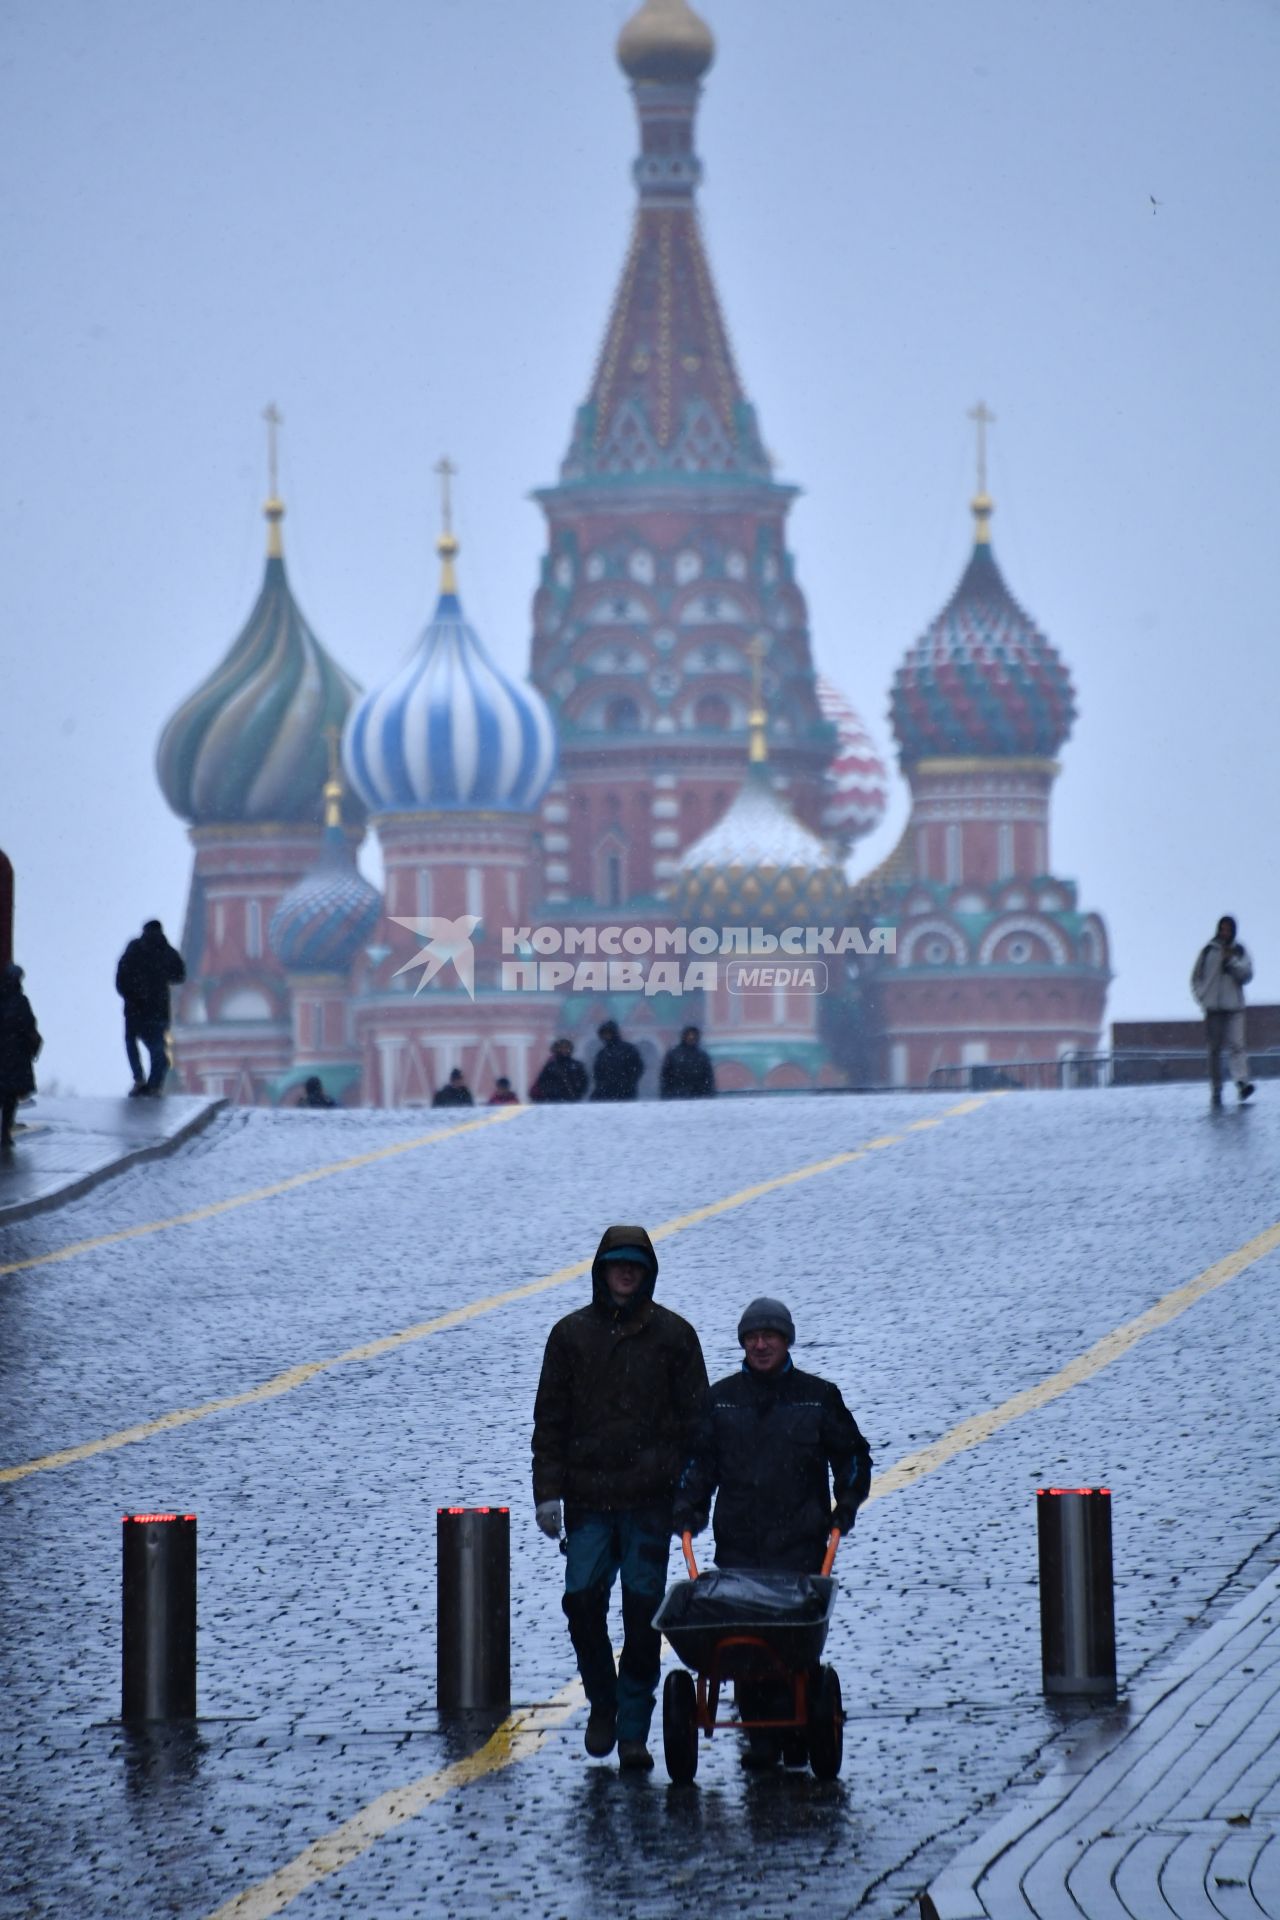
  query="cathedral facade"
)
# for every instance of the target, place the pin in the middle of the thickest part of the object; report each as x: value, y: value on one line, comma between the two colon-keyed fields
x: 660, y: 825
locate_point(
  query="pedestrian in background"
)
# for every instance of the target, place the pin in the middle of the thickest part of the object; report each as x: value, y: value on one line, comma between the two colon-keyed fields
x: 618, y: 1066
x: 19, y: 1049
x: 148, y: 967
x: 687, y: 1072
x: 314, y: 1095
x: 622, y: 1385
x: 562, y: 1079
x: 456, y: 1094
x: 503, y: 1095
x: 1222, y: 972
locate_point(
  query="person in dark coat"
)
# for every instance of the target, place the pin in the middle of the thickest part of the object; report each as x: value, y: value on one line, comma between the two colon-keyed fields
x: 314, y: 1095
x: 562, y: 1079
x: 687, y: 1072
x: 20, y: 1045
x: 786, y: 1461
x: 622, y: 1386
x: 618, y: 1066
x: 504, y: 1094
x: 456, y: 1094
x: 148, y: 967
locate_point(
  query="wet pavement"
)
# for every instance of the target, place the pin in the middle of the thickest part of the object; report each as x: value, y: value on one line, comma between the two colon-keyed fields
x: 66, y: 1147
x: 933, y: 1276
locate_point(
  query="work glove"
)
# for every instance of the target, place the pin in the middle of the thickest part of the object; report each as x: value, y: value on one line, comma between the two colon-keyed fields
x: 547, y: 1515
x: 687, y: 1522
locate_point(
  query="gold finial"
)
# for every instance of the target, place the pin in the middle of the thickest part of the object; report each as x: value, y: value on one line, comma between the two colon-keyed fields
x: 333, y: 785
x: 273, y: 506
x: 665, y: 41
x: 982, y: 503
x: 447, y: 545
x: 758, y: 751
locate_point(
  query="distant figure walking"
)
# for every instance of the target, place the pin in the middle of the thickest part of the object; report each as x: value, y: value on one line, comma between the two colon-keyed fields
x: 618, y: 1067
x: 687, y: 1072
x: 563, y: 1079
x: 314, y: 1095
x: 456, y: 1094
x: 148, y: 967
x: 503, y: 1094
x: 1222, y: 971
x: 19, y: 1049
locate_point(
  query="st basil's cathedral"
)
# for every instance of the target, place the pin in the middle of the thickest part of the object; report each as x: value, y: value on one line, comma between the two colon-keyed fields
x: 673, y: 762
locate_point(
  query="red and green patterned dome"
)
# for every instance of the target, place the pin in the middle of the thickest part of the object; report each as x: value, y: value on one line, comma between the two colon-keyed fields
x: 982, y: 680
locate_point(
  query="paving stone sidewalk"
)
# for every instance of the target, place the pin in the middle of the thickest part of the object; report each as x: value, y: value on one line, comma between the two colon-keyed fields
x: 1177, y: 1815
x: 65, y: 1147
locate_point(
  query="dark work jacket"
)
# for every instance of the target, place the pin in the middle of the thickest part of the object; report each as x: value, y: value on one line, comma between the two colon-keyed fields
x: 453, y: 1097
x: 562, y: 1079
x: 148, y: 967
x: 687, y: 1074
x: 620, y: 1393
x: 616, y: 1071
x: 767, y: 1442
x: 19, y: 1045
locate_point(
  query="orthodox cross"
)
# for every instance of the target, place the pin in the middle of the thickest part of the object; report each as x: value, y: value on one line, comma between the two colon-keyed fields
x: 447, y: 471
x: 274, y: 419
x: 982, y: 418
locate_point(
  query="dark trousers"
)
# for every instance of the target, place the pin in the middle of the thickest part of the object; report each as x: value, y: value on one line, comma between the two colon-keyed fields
x: 154, y: 1038
x: 8, y: 1108
x: 600, y: 1547
x: 1224, y: 1033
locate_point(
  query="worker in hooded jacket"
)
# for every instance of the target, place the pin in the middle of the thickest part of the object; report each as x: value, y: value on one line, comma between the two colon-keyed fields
x: 622, y: 1387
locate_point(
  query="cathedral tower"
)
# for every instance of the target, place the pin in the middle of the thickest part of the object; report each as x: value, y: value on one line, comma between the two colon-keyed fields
x: 667, y: 545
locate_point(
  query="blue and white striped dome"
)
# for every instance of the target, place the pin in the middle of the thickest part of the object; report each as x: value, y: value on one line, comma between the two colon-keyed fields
x: 451, y: 732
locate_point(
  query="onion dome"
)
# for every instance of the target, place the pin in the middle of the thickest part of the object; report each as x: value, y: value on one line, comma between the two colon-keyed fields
x: 322, y: 922
x: 857, y: 779
x: 249, y: 744
x: 982, y: 680
x: 665, y: 41
x: 758, y: 865
x: 451, y: 732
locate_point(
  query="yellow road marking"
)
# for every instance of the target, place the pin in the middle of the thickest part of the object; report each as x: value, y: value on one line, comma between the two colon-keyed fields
x: 250, y: 1199
x: 1112, y: 1346
x: 516, y: 1739
x: 345, y: 1843
x: 299, y: 1375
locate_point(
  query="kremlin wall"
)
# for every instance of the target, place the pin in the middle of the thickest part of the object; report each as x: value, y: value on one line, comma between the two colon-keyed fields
x: 599, y: 840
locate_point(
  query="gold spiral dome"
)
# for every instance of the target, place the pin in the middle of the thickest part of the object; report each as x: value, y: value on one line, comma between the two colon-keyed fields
x: 665, y: 41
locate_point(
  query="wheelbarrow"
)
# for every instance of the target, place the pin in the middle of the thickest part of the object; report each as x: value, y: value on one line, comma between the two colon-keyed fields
x: 778, y: 1636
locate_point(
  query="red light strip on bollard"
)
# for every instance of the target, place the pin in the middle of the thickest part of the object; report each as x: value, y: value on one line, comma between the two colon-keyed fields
x: 473, y: 1509
x: 152, y: 1519
x: 1104, y: 1491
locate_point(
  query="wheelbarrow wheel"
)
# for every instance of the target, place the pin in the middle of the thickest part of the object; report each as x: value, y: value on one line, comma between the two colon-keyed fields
x: 680, y: 1726
x: 826, y: 1724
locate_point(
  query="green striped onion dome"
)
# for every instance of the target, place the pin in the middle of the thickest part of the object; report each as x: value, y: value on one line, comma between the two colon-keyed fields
x: 249, y: 744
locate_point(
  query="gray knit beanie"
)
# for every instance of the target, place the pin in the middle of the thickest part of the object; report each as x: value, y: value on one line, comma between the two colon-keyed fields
x: 767, y: 1316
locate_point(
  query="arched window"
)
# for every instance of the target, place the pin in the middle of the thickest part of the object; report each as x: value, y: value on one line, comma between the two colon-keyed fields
x: 253, y: 929
x: 622, y: 716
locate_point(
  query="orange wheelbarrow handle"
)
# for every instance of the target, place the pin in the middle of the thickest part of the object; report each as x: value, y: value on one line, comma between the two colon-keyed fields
x: 829, y: 1558
x: 686, y: 1545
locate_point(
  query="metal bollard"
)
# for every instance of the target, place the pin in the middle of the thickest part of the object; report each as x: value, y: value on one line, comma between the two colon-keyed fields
x: 473, y: 1609
x: 158, y: 1648
x: 1077, y: 1601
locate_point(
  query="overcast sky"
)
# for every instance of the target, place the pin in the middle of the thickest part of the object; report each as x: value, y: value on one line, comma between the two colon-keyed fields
x: 402, y: 221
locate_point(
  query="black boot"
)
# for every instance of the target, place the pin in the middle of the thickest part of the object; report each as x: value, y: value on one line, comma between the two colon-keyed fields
x: 588, y: 1615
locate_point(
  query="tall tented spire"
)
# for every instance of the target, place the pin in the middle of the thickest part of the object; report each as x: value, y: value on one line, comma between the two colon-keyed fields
x: 666, y: 397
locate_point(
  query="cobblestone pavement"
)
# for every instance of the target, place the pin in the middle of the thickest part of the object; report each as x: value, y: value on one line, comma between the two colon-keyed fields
x: 1176, y: 1816
x: 66, y: 1147
x: 933, y: 1277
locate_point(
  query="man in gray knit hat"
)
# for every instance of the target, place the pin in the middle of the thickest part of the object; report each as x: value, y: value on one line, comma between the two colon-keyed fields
x: 786, y: 1462
x: 783, y: 1450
